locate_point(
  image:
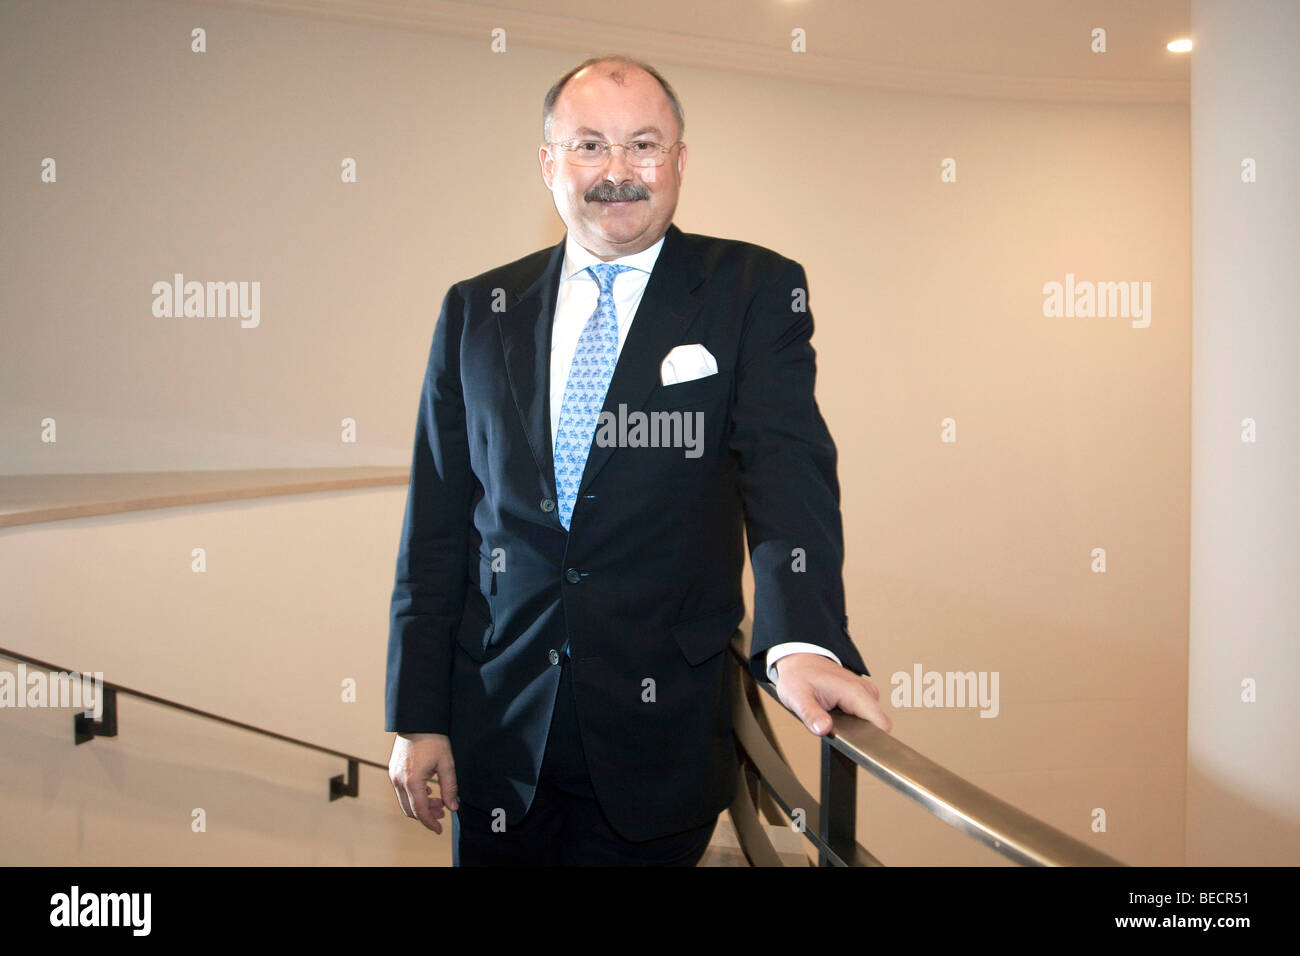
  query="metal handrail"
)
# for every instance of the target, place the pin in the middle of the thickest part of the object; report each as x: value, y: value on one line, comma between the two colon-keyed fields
x: 86, y: 729
x: 856, y: 743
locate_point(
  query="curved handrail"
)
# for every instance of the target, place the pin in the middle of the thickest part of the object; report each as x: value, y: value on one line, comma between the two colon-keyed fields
x: 1002, y: 827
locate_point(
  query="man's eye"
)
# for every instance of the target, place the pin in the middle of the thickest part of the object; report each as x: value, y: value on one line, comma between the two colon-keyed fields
x: 588, y: 146
x: 644, y: 147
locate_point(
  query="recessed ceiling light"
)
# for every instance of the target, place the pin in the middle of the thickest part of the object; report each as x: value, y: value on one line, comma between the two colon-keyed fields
x: 1178, y: 46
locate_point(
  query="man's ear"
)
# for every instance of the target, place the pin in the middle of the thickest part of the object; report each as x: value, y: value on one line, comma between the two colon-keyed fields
x: 681, y: 160
x: 547, y: 162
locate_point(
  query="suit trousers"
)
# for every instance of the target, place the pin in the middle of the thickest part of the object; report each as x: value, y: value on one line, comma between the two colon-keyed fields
x: 565, y: 826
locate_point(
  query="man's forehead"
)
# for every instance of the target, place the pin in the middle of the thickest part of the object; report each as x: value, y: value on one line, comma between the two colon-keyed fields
x: 596, y: 102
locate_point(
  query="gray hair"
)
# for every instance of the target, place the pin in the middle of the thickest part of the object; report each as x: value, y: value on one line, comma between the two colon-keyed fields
x: 617, y: 75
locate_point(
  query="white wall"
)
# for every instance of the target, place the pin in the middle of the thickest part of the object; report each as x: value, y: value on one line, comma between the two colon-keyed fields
x: 1073, y: 434
x: 1243, y: 713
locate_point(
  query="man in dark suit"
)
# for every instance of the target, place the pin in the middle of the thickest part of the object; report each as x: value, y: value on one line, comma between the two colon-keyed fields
x: 600, y: 424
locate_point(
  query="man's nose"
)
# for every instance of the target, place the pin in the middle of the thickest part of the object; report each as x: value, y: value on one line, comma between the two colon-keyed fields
x: 617, y: 169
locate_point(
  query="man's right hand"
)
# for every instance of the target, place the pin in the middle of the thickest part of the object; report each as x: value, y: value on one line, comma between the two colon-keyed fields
x: 416, y: 759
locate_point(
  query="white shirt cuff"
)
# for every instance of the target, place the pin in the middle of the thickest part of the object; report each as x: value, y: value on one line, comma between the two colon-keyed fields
x: 778, y: 651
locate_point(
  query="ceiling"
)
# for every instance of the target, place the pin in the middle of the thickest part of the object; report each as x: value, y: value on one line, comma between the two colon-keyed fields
x: 1013, y: 49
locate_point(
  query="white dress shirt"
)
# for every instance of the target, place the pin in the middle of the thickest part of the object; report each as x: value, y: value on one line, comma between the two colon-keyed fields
x: 574, y: 305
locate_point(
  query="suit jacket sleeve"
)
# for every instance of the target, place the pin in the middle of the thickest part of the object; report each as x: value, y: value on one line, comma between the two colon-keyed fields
x: 428, y: 597
x: 787, y: 479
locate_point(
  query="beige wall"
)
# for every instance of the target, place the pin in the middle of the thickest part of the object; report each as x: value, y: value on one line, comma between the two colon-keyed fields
x: 290, y: 607
x: 1072, y: 434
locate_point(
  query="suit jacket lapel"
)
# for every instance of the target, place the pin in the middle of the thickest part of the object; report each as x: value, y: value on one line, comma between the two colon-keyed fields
x: 667, y: 309
x: 526, y: 338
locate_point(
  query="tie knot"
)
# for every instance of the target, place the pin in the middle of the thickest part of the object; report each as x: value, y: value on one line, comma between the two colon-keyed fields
x: 604, y: 273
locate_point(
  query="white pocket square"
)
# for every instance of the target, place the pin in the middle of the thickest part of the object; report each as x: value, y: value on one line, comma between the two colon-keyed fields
x: 687, y: 362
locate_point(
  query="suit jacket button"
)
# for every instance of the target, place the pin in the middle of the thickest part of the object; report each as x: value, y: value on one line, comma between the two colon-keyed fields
x: 572, y: 576
x: 553, y: 656
x: 548, y: 504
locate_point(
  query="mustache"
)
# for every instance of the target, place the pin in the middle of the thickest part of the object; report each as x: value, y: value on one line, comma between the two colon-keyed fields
x: 624, y: 192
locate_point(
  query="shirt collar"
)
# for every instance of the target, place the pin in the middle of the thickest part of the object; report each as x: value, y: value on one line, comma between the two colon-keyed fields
x: 577, y: 259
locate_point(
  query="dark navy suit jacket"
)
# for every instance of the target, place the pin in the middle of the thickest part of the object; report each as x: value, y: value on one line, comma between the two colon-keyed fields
x: 645, y: 586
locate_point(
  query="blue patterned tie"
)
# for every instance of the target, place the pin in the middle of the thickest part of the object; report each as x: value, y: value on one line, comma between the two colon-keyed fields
x: 584, y: 393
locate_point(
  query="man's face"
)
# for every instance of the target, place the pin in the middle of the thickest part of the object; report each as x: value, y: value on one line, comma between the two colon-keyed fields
x: 594, y: 107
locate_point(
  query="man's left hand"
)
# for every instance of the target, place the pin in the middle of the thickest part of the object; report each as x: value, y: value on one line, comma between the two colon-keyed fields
x: 810, y: 685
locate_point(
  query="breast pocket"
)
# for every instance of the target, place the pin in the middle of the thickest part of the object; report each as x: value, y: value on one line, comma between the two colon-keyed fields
x: 679, y: 434
x: 698, y: 391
